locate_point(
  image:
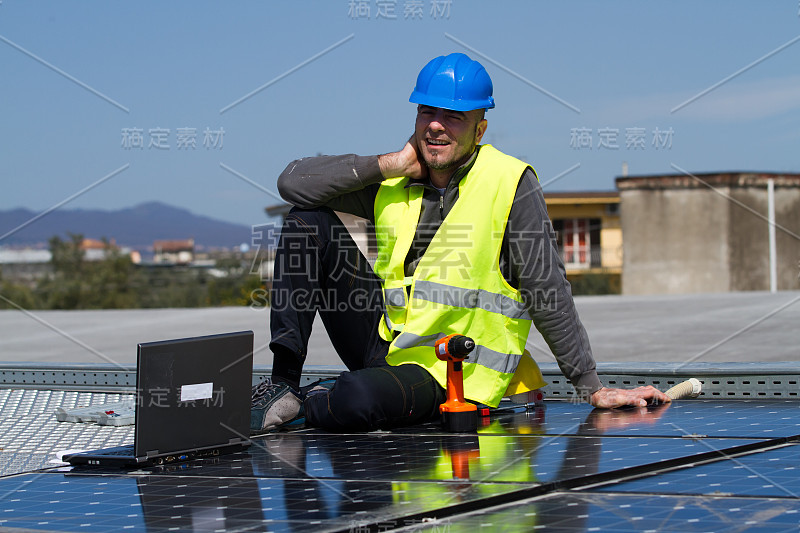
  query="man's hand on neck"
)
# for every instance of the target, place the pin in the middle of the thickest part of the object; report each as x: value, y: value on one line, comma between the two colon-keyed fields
x: 407, y: 163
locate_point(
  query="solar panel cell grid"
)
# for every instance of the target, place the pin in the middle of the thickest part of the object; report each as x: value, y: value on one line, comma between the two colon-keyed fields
x: 562, y: 468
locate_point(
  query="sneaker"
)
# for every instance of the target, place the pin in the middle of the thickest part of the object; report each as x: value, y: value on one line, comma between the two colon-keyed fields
x: 274, y: 405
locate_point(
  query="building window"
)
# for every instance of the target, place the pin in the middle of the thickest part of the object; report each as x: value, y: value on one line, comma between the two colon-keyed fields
x: 578, y: 242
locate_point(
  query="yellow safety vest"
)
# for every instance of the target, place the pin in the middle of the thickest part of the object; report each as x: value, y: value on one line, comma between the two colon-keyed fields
x: 457, y: 286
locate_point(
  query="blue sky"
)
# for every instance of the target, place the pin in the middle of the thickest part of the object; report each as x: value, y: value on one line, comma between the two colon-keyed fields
x: 628, y: 77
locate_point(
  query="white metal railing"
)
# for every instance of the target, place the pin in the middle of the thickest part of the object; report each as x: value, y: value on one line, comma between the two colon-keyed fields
x: 581, y: 257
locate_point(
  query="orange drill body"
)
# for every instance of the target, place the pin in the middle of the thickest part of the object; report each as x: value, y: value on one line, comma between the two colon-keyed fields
x: 458, y: 415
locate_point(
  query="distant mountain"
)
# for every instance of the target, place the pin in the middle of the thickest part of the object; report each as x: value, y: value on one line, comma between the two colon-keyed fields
x: 136, y: 227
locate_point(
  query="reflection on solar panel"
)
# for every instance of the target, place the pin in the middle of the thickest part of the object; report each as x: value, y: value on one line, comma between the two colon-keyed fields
x: 701, y: 465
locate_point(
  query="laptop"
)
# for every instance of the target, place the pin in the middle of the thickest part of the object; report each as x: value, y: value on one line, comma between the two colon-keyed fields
x: 192, y: 401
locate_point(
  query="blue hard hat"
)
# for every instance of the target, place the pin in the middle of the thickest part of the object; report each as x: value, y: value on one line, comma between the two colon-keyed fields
x: 453, y: 82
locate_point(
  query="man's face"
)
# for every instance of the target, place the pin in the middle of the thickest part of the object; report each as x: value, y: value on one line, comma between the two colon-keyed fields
x: 447, y: 138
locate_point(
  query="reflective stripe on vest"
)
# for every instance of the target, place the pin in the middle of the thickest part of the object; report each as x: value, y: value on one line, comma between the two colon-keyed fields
x: 469, y: 298
x: 391, y: 325
x: 395, y: 297
x: 481, y: 355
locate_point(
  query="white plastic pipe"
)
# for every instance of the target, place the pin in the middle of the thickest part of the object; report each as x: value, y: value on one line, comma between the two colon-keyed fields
x: 773, y: 260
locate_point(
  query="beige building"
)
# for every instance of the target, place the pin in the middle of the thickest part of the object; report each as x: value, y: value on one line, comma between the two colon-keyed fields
x: 587, y: 226
x: 588, y: 230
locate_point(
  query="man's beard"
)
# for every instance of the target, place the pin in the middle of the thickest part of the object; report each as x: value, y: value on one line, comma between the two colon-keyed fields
x: 441, y: 166
x: 452, y: 163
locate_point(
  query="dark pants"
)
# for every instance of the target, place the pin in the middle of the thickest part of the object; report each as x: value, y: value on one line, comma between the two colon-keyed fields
x: 319, y: 269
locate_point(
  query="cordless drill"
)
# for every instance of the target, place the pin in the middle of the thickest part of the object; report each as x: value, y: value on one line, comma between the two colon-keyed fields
x: 458, y: 415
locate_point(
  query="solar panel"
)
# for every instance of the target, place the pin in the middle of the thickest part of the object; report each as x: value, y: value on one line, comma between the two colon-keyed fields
x: 772, y: 473
x: 694, y: 466
x: 588, y: 511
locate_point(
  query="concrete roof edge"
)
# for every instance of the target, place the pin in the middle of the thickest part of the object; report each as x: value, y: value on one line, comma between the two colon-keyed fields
x: 708, y: 179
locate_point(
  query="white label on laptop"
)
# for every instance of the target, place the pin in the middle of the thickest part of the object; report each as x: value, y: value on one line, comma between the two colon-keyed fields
x: 199, y: 391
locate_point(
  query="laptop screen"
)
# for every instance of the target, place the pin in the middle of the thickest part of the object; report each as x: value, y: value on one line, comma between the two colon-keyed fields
x: 193, y: 393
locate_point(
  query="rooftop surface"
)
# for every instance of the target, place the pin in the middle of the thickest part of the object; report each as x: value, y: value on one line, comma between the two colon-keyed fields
x: 708, y: 464
x: 722, y: 327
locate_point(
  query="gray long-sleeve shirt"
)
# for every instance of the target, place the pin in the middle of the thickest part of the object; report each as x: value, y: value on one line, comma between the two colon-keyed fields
x: 529, y: 259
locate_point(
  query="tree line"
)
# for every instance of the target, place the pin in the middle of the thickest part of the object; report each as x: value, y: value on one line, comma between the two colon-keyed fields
x: 115, y: 282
